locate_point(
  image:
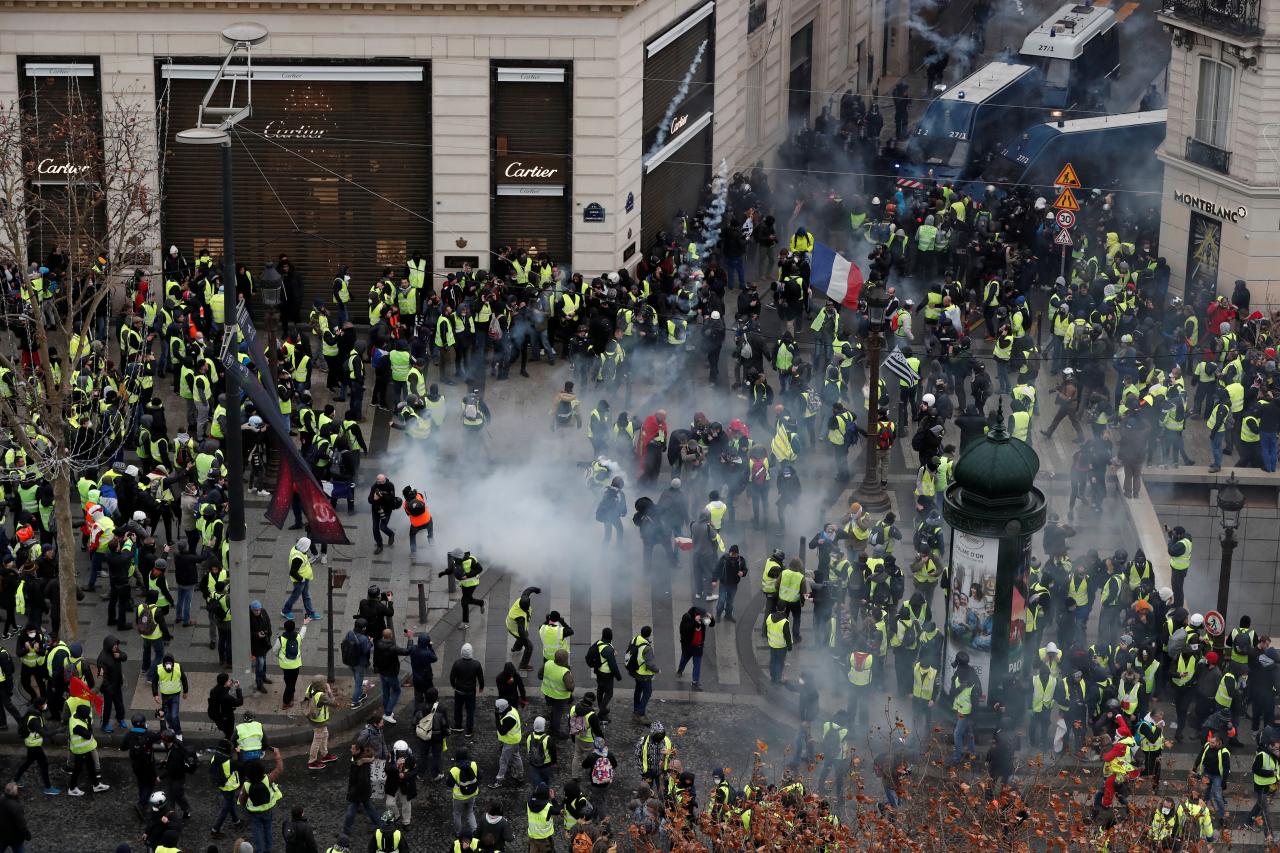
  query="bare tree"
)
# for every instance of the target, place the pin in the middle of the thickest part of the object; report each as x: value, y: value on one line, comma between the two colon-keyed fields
x: 86, y: 179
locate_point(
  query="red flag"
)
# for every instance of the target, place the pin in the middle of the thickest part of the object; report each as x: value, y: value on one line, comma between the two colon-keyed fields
x: 324, y: 526
x: 80, y: 690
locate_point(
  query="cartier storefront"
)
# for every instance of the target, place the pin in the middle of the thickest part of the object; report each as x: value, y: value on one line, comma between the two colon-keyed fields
x: 334, y: 167
x: 531, y: 113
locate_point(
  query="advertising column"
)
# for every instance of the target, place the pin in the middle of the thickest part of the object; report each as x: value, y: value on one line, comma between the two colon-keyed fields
x: 532, y: 128
x: 679, y: 91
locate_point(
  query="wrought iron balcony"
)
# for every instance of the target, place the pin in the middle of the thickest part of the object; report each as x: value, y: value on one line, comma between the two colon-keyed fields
x: 1209, y: 156
x: 1236, y: 17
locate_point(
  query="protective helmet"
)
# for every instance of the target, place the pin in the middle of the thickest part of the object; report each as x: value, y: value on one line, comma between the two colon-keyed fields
x: 374, y: 590
x: 962, y: 659
x: 138, y: 721
x: 400, y: 746
x: 1113, y: 704
x: 1121, y: 556
x: 158, y: 800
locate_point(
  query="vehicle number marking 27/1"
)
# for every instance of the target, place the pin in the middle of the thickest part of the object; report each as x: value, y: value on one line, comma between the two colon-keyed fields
x: 957, y: 134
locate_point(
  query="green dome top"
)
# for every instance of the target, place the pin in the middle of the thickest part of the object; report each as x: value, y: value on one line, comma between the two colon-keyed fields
x: 997, y: 468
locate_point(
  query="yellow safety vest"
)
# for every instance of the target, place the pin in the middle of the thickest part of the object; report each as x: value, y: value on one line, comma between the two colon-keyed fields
x: 170, y: 683
x: 775, y: 629
x: 553, y: 686
x: 860, y: 674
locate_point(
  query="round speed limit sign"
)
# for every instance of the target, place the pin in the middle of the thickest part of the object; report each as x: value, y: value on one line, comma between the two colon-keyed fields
x: 1066, y: 219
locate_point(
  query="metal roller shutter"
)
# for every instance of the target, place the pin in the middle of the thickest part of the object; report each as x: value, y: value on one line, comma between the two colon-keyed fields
x: 327, y: 171
x: 665, y: 70
x: 678, y: 184
x: 533, y: 121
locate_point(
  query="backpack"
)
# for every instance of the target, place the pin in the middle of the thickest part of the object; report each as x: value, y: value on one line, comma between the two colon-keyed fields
x: 564, y: 411
x: 582, y: 842
x: 424, y: 727
x: 416, y: 507
x: 537, y: 753
x: 631, y: 660
x: 470, y: 410
x: 746, y: 351
x: 335, y: 458
x: 146, y: 622
x: 577, y: 724
x: 884, y: 438
x: 593, y: 656
x: 350, y: 648
x: 288, y: 832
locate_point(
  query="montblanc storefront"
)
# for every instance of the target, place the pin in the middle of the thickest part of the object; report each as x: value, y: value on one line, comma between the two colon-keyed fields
x: 531, y: 112
x: 677, y: 141
x: 333, y: 168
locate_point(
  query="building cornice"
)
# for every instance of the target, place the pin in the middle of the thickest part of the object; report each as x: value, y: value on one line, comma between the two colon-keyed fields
x: 564, y: 8
x: 1227, y: 182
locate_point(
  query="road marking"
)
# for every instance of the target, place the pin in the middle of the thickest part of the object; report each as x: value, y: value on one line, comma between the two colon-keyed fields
x: 724, y: 648
x: 1126, y: 10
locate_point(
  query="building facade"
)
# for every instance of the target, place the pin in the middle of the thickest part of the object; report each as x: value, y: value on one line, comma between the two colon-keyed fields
x: 1220, y: 210
x: 383, y: 128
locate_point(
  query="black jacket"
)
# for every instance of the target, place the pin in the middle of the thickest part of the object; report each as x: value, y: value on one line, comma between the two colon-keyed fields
x: 260, y: 637
x: 386, y: 657
x: 223, y: 702
x: 111, y: 666
x: 466, y: 676
x: 298, y: 836
x: 13, y: 822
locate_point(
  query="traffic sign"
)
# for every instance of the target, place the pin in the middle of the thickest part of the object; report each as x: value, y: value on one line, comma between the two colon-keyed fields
x: 1066, y: 219
x: 1066, y: 200
x: 1063, y: 238
x: 1215, y: 624
x: 1067, y: 177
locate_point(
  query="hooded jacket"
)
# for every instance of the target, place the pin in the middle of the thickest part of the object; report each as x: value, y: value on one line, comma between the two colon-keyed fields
x: 111, y: 666
x: 421, y: 656
x: 467, y: 675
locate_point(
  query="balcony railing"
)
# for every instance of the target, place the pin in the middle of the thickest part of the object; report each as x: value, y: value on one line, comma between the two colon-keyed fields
x: 1237, y: 17
x: 1209, y: 156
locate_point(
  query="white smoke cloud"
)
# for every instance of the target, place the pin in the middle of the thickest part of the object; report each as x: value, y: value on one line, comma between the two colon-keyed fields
x: 680, y: 95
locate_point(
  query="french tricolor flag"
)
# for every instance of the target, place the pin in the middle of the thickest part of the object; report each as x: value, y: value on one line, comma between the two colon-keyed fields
x: 836, y: 276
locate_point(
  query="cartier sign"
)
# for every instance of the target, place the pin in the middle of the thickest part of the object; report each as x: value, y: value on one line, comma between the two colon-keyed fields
x: 530, y: 169
x: 283, y: 130
x: 678, y: 123
x: 48, y: 166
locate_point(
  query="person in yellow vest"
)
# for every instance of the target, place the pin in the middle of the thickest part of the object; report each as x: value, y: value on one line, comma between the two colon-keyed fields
x: 777, y: 630
x: 517, y: 624
x: 168, y: 688
x: 84, y: 753
x: 861, y: 666
x: 1180, y: 547
x: 259, y: 794
x: 924, y: 691
x: 541, y: 811
x: 300, y: 575
x: 510, y: 732
x: 464, y: 781
x: 288, y: 648
x: 557, y: 689
x: 964, y: 694
x: 1266, y: 773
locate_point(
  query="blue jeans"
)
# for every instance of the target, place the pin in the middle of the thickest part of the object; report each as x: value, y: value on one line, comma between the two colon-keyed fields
x: 152, y: 648
x: 261, y: 824
x: 777, y: 664
x: 260, y: 670
x: 640, y: 699
x: 184, y: 603
x: 228, y: 809
x: 735, y: 266
x: 539, y: 776
x: 1269, y: 448
x: 390, y: 694
x: 172, y: 705
x: 301, y: 589
x: 1215, y: 445
x: 357, y: 692
x: 1213, y: 794
x: 697, y: 664
x: 963, y: 737
x: 349, y: 822
x: 724, y: 604
x: 95, y: 568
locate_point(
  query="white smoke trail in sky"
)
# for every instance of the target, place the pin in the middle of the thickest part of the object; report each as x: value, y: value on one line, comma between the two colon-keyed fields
x: 664, y: 129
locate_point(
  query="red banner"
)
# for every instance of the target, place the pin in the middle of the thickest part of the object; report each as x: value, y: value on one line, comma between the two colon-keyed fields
x: 324, y: 528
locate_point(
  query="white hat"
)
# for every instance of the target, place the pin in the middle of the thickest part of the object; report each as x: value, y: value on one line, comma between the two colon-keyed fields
x: 139, y: 515
x: 1166, y: 594
x: 1196, y: 620
x: 467, y: 651
x: 173, y: 250
x: 255, y: 421
x: 715, y: 315
x: 1051, y: 649
x: 131, y: 470
x: 400, y: 746
x: 875, y: 200
x: 539, y: 724
x: 304, y: 544
x: 502, y: 705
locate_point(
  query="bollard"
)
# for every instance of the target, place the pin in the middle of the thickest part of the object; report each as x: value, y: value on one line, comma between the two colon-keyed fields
x: 422, y: 604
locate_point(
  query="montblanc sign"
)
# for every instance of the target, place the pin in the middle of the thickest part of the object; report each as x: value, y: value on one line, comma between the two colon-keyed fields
x: 1230, y: 214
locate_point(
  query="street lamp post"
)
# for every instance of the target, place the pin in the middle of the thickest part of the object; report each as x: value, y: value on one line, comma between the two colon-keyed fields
x: 241, y: 37
x: 871, y: 493
x: 1230, y: 503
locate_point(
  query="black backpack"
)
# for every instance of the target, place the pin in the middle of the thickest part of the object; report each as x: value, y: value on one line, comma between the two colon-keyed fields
x: 350, y: 649
x: 632, y: 658
x: 593, y: 656
x: 564, y: 411
x: 416, y: 507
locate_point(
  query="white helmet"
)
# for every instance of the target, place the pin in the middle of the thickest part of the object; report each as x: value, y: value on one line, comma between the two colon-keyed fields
x: 304, y: 544
x: 139, y: 515
x: 875, y: 200
x: 400, y: 746
x: 1196, y: 620
x: 158, y: 800
x: 928, y: 399
x: 173, y: 250
x: 715, y: 315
